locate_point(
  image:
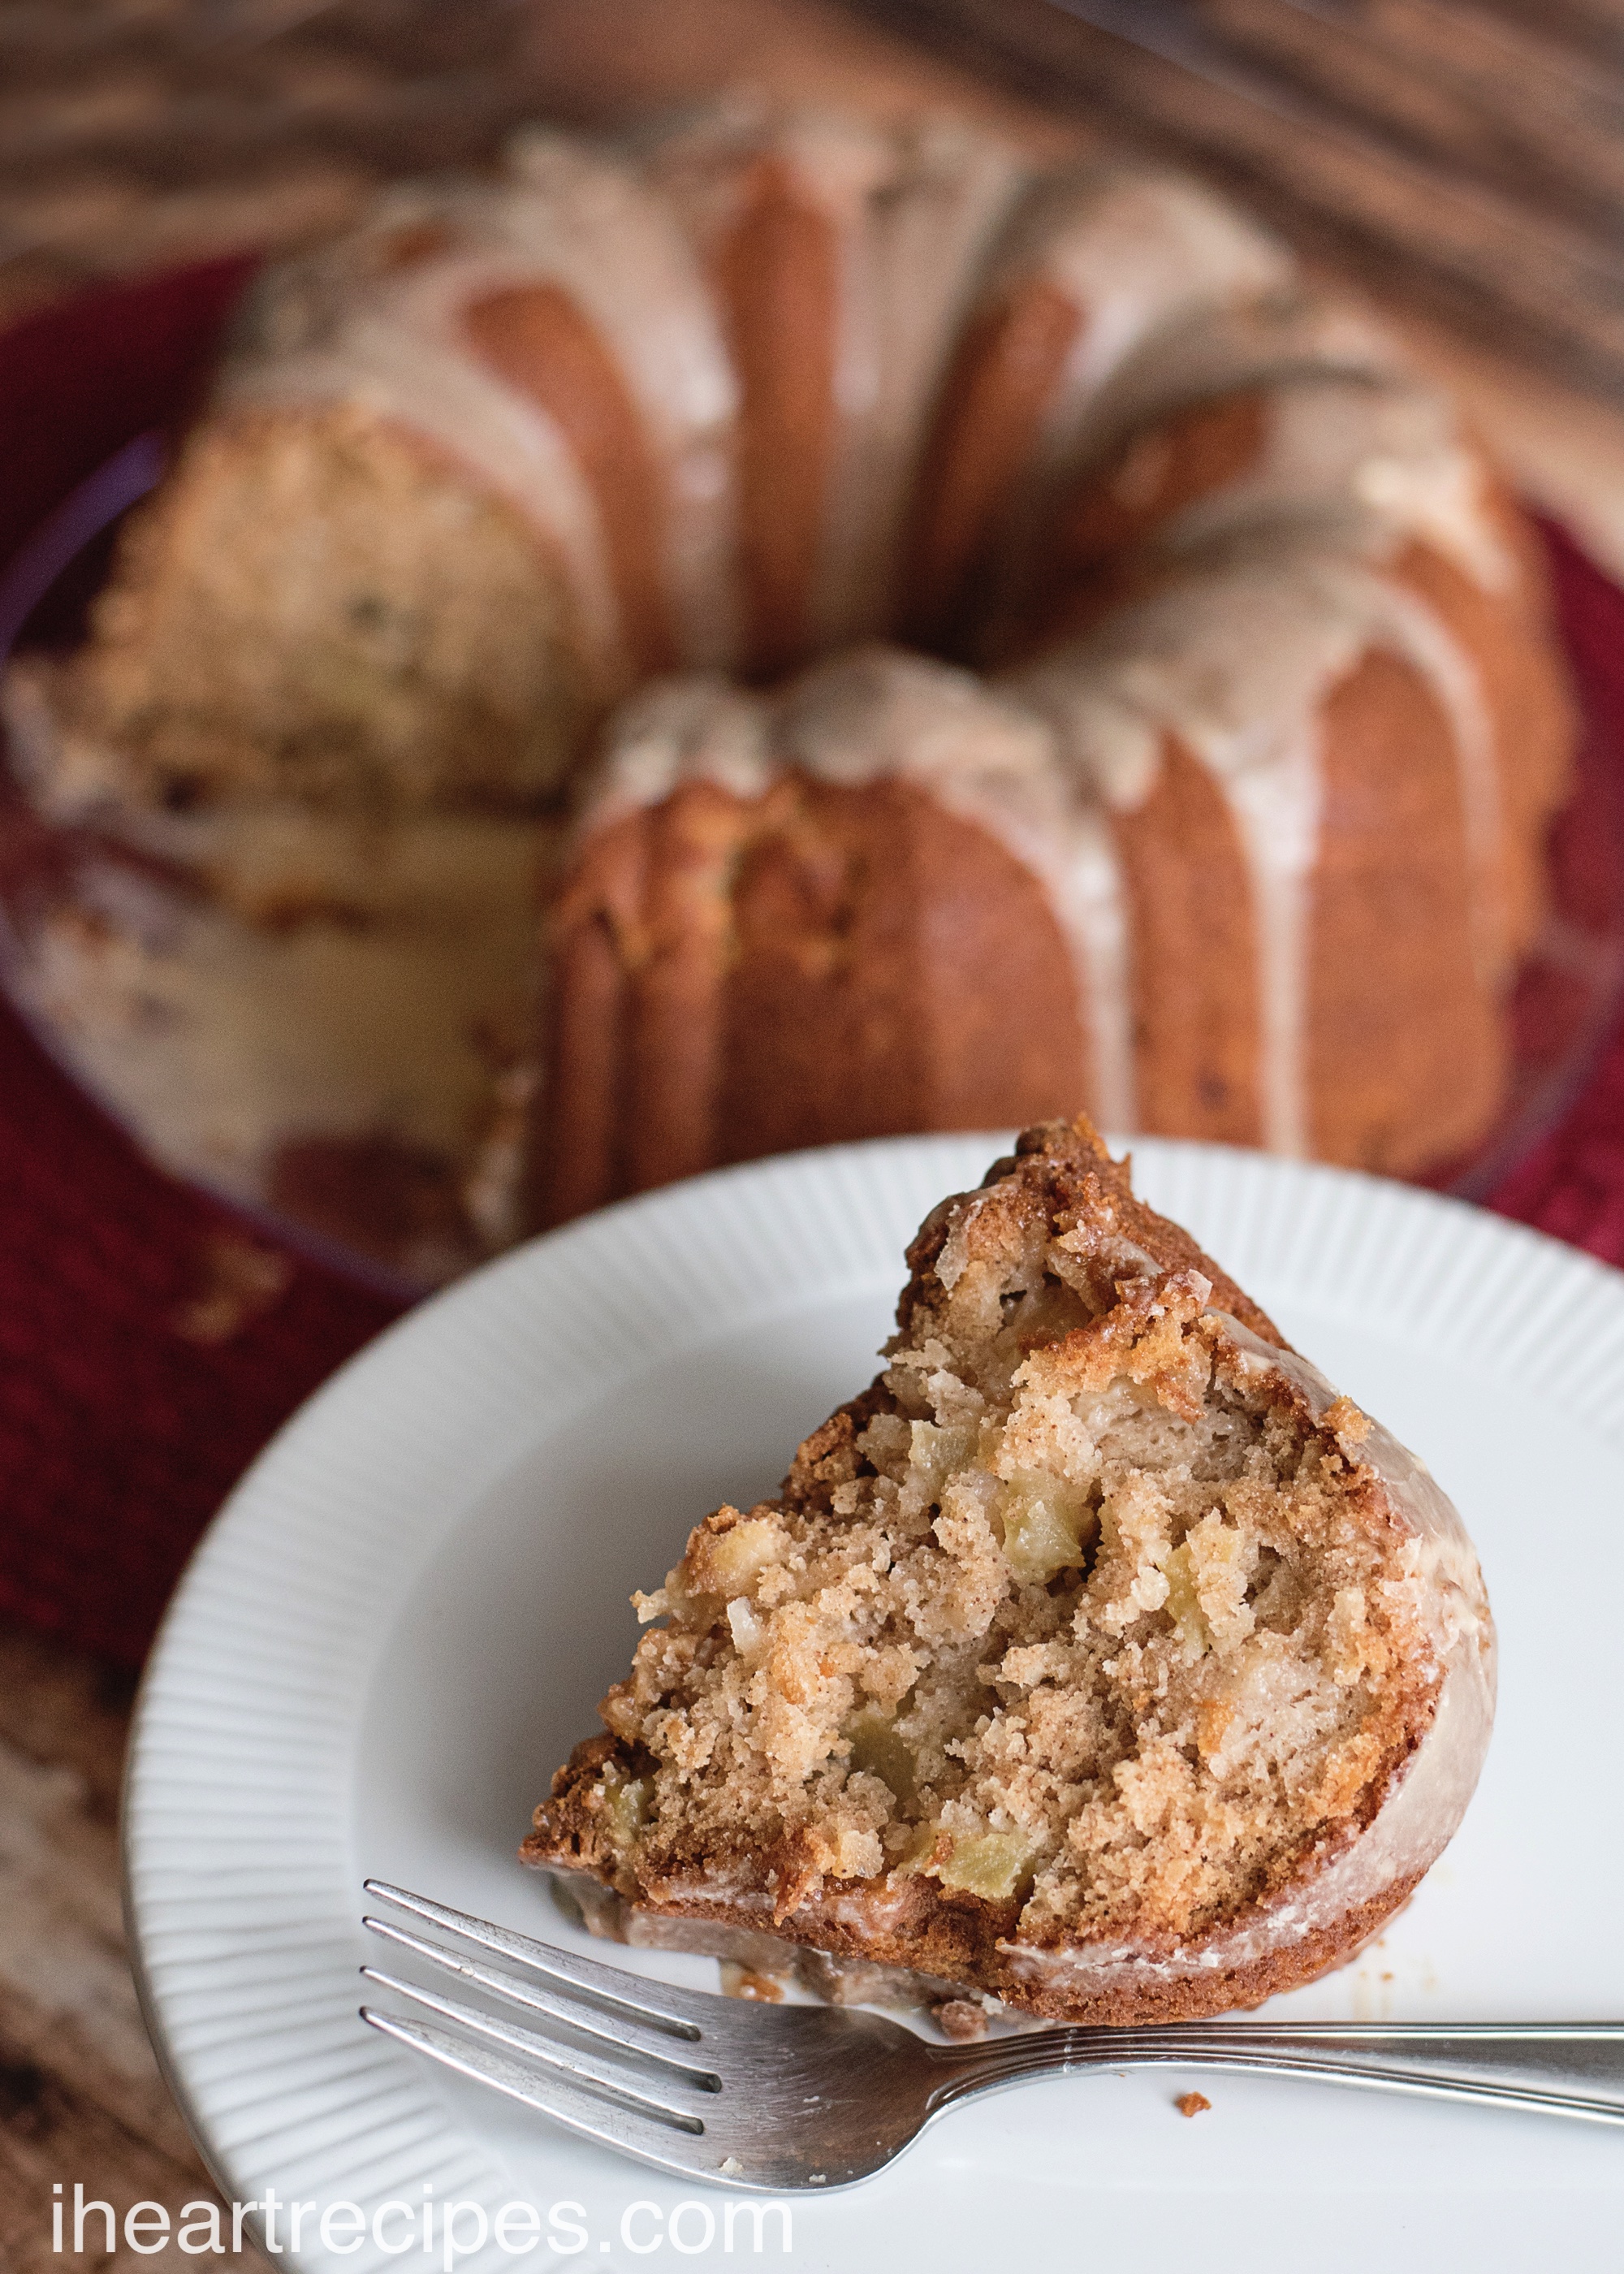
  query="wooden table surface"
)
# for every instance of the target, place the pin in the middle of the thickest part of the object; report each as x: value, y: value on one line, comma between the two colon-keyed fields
x: 128, y: 141
x: 80, y: 2096
x: 617, y: 58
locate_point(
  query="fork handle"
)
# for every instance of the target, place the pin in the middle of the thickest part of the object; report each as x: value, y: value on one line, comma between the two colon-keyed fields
x: 1569, y: 2068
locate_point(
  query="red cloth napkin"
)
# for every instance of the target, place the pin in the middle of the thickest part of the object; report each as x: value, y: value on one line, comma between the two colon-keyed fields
x: 150, y: 1342
x: 1572, y: 1184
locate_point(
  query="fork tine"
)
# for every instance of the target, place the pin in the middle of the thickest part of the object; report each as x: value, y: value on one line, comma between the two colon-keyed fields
x: 614, y: 2123
x: 681, y: 2012
x: 663, y: 2098
x: 623, y: 2034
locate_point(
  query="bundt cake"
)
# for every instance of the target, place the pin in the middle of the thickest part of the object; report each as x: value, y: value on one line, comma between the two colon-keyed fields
x: 1099, y: 1659
x: 325, y: 1012
x: 1067, y: 660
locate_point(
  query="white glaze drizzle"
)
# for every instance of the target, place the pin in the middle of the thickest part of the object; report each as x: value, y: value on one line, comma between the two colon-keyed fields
x: 843, y: 170
x: 838, y: 166
x: 1417, y: 632
x: 1091, y: 901
x: 877, y: 712
x: 1276, y: 807
x: 1209, y: 347
x: 672, y: 730
x: 1235, y: 663
x: 912, y: 257
x: 621, y: 253
x: 1394, y: 450
x: 1138, y: 252
x: 1135, y: 251
x: 395, y: 371
x: 339, y: 330
x: 1348, y: 436
x: 911, y: 213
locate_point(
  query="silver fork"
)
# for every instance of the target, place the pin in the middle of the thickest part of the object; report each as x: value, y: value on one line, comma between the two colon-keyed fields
x: 777, y: 2098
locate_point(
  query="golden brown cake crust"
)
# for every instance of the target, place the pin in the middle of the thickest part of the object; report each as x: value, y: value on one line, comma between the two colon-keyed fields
x: 538, y: 339
x: 1007, y: 362
x: 955, y: 1938
x: 742, y: 977
x: 1159, y: 1307
x: 1063, y: 1171
x: 754, y: 388
x: 776, y: 273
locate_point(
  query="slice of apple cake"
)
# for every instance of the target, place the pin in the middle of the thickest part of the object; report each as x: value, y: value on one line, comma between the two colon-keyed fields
x: 1100, y: 1657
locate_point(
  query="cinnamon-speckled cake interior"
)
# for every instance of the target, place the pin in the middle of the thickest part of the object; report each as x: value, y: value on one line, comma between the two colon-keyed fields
x: 1080, y: 1630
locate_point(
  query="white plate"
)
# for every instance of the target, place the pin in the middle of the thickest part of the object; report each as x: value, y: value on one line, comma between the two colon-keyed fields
x: 405, y: 1615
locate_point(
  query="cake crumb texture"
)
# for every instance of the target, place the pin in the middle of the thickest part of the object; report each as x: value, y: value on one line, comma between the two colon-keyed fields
x: 1077, y: 1629
x: 411, y: 646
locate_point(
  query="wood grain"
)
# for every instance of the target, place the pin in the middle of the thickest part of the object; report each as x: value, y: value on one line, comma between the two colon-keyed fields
x: 81, y: 2099
x: 282, y: 143
x: 611, y: 60
x: 1494, y: 262
x: 139, y: 134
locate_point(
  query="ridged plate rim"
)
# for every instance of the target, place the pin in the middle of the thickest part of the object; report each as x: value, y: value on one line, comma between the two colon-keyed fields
x: 241, y: 1892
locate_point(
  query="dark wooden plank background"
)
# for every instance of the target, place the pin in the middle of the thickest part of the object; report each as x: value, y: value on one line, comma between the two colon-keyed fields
x: 80, y: 2096
x: 136, y: 133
